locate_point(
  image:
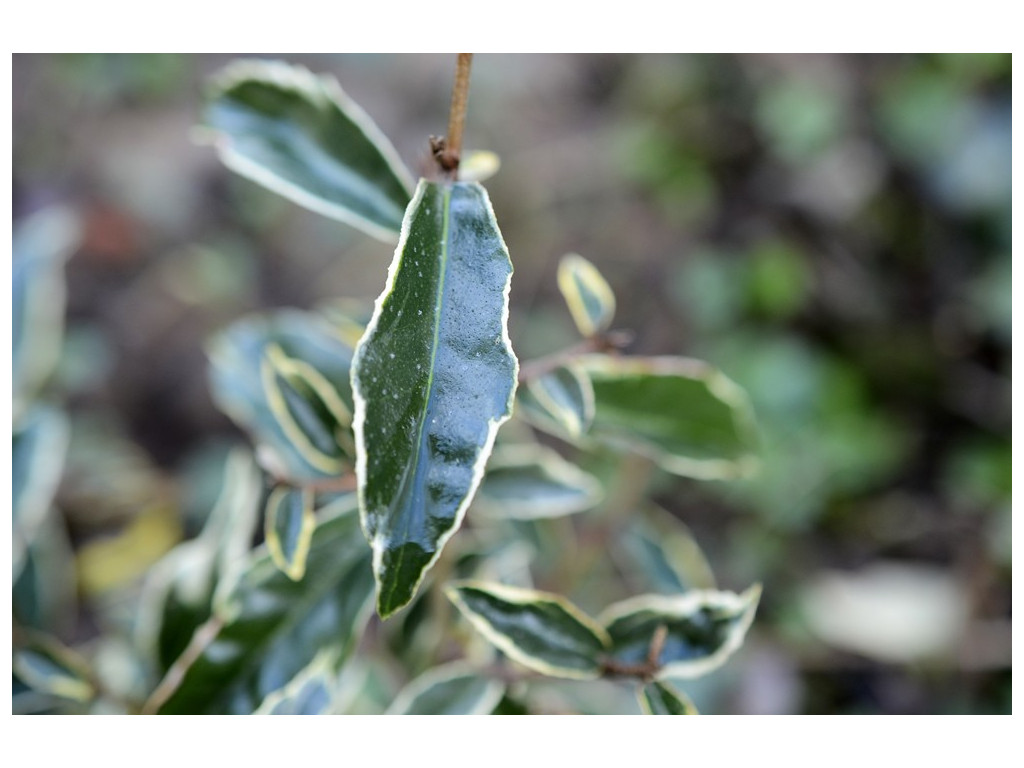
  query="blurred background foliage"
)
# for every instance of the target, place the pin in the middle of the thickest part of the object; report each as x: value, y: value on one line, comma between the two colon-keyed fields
x: 833, y: 231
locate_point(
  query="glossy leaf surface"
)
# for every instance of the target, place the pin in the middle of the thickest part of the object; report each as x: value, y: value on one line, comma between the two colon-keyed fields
x: 527, y: 482
x: 540, y: 630
x: 433, y: 378
x: 703, y: 629
x: 270, y: 627
x: 588, y: 296
x: 301, y: 136
x: 682, y: 413
x: 289, y: 529
x: 563, y: 398
x: 285, y: 379
x: 310, y: 693
x: 659, y: 698
x: 454, y: 689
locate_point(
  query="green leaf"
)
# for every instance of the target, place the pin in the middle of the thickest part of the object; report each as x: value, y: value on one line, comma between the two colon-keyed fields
x: 178, y: 594
x: 540, y: 630
x: 300, y: 135
x: 289, y: 529
x: 41, y: 244
x: 433, y: 379
x: 665, y: 554
x: 589, y: 297
x: 268, y: 628
x: 40, y: 443
x: 47, y: 666
x: 311, y: 692
x: 703, y: 629
x: 529, y: 481
x: 285, y: 379
x: 659, y: 698
x: 45, y: 588
x: 454, y: 689
x: 682, y: 413
x: 563, y: 398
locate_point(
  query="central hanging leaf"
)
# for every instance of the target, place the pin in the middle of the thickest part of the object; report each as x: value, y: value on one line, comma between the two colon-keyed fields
x: 433, y: 379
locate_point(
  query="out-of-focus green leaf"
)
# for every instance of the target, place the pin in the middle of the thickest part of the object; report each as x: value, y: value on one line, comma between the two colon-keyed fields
x: 267, y: 628
x: 665, y: 555
x: 530, y: 481
x: 562, y: 399
x: 540, y: 630
x: 310, y: 693
x: 41, y: 244
x: 39, y: 446
x: 289, y: 529
x: 683, y: 413
x: 703, y: 628
x: 43, y: 595
x: 454, y: 689
x: 178, y: 594
x: 301, y: 136
x: 434, y: 377
x: 47, y: 666
x: 589, y: 297
x: 659, y: 698
x: 285, y: 379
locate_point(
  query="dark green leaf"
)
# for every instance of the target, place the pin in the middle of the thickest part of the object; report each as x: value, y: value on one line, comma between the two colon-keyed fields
x: 285, y: 379
x: 454, y: 689
x: 47, y: 666
x: 41, y: 244
x: 301, y: 136
x: 289, y: 529
x: 659, y: 698
x: 703, y: 629
x: 540, y: 630
x: 563, y: 398
x: 530, y: 481
x: 40, y: 444
x: 589, y: 297
x: 268, y: 628
x: 682, y: 413
x: 434, y: 377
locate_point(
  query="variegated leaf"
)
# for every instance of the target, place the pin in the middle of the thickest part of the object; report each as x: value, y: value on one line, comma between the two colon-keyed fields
x: 660, y: 698
x: 560, y: 401
x: 589, y: 297
x: 289, y: 524
x: 433, y: 378
x: 300, y: 135
x: 540, y: 630
x: 454, y: 689
x: 526, y: 482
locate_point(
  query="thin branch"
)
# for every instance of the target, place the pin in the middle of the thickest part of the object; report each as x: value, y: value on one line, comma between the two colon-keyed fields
x: 203, y: 636
x: 606, y: 342
x: 448, y: 151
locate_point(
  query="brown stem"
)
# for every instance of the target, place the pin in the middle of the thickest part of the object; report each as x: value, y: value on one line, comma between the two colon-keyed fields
x: 448, y: 151
x: 203, y: 636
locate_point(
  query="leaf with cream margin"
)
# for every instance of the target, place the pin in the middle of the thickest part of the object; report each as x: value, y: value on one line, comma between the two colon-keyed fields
x: 683, y: 413
x: 702, y: 629
x: 452, y: 689
x: 658, y: 698
x: 288, y: 530
x: 559, y: 401
x: 267, y: 628
x: 540, y: 630
x: 300, y: 135
x: 525, y: 482
x: 47, y: 666
x: 433, y: 379
x: 284, y: 378
x: 660, y: 549
x: 587, y: 294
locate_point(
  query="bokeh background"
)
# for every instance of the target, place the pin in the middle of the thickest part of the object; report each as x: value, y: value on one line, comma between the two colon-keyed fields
x: 833, y: 231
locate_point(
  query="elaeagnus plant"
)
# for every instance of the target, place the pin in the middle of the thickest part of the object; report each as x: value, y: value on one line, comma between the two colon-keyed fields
x: 398, y: 472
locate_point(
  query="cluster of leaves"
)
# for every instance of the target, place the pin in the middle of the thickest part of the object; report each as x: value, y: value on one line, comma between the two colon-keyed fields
x: 375, y: 430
